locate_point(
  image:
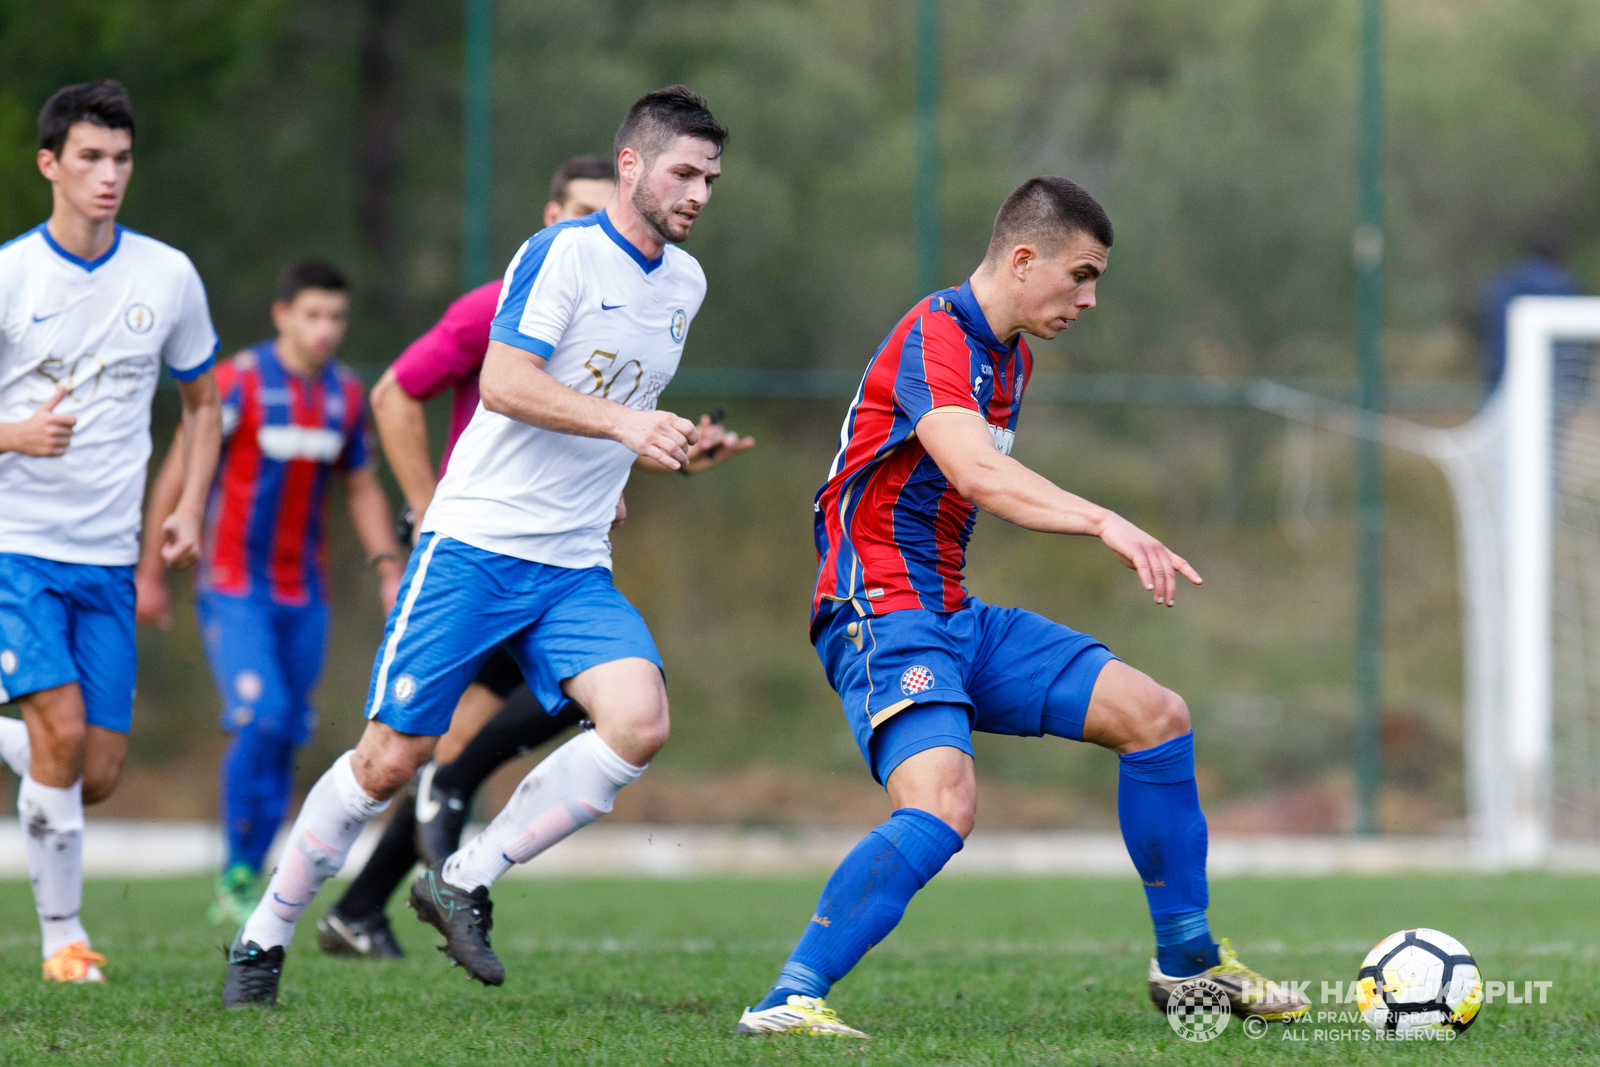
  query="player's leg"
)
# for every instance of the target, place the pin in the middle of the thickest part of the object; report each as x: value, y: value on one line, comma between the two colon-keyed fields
x: 246, y: 658
x: 924, y: 754
x: 589, y: 647
x: 442, y: 806
x: 1103, y: 701
x: 78, y: 739
x: 425, y: 661
x: 50, y: 805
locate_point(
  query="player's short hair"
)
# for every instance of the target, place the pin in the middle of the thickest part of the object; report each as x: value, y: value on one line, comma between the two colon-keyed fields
x: 104, y: 103
x: 1046, y: 211
x: 580, y: 168
x: 656, y: 118
x: 296, y: 278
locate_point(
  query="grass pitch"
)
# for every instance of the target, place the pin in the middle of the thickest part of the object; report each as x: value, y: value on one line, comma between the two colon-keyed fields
x: 982, y: 971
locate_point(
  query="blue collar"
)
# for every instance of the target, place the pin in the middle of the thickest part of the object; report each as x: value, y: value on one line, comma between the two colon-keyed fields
x: 974, y: 320
x: 86, y: 264
x: 627, y: 246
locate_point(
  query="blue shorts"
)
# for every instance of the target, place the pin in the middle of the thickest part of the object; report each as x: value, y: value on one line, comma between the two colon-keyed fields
x: 996, y: 666
x: 265, y: 659
x: 458, y: 603
x: 69, y: 622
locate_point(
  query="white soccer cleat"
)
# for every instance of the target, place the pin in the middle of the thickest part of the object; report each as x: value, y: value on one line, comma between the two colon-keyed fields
x: 801, y: 1015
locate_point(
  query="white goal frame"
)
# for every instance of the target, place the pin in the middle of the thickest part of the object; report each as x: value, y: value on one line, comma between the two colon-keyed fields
x: 1500, y: 466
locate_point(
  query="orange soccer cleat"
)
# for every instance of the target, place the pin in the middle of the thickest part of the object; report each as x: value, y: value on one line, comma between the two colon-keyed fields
x: 75, y: 963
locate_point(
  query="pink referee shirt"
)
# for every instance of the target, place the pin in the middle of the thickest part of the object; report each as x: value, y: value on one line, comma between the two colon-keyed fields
x: 451, y: 354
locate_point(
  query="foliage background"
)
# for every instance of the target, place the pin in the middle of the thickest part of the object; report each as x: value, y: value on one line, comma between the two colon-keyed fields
x: 1220, y: 134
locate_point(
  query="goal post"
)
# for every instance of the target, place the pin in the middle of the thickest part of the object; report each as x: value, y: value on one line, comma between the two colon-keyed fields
x: 1520, y: 833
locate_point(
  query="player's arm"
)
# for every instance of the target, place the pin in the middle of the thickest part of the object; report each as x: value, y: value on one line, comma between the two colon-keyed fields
x: 403, y: 432
x: 960, y: 443
x: 714, y: 445
x: 202, y: 442
x: 154, y: 606
x: 46, y: 432
x: 369, y: 515
x: 514, y: 384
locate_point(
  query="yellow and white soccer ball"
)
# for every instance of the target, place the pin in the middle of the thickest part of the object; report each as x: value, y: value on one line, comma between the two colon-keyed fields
x: 1419, y: 980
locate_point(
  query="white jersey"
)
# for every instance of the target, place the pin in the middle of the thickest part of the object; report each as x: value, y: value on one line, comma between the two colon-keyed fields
x: 610, y: 323
x: 101, y: 328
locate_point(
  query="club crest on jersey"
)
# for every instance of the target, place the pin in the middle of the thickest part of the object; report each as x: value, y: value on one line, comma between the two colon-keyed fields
x: 680, y: 323
x: 139, y: 318
x: 916, y: 680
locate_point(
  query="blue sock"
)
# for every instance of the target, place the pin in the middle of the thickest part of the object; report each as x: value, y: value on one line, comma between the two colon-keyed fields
x: 864, y: 900
x: 1165, y: 831
x: 257, y: 777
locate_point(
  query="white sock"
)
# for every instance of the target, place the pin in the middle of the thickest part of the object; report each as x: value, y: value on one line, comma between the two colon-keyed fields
x: 14, y: 747
x: 570, y: 788
x: 330, y: 821
x: 52, y: 823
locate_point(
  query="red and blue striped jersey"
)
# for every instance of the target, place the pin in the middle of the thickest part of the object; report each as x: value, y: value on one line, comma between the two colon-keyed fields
x: 891, y: 531
x: 282, y: 436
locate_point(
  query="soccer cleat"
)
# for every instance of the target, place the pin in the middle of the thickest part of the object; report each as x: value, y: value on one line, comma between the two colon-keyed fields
x: 1248, y: 992
x: 368, y: 935
x: 236, y: 896
x: 801, y: 1015
x: 464, y: 919
x: 253, y: 974
x: 441, y: 816
x: 75, y: 963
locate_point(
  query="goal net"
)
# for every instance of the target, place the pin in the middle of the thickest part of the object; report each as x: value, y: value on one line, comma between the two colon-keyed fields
x: 1524, y: 477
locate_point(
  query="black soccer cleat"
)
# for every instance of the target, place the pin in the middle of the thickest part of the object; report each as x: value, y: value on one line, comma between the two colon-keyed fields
x: 441, y: 816
x: 464, y: 919
x: 369, y: 936
x: 253, y: 974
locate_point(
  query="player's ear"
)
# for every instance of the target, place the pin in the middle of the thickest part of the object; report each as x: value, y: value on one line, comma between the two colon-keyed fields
x: 47, y: 164
x: 552, y: 212
x: 1022, y: 257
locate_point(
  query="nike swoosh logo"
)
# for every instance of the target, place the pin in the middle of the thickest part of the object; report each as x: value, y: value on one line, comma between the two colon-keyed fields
x: 603, y: 307
x: 427, y: 807
x: 53, y: 314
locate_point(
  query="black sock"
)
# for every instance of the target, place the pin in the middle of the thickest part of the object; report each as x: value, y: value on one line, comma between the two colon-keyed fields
x: 391, y: 861
x: 519, y: 725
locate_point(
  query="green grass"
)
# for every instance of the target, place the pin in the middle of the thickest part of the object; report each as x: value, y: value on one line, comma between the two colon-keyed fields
x: 649, y: 972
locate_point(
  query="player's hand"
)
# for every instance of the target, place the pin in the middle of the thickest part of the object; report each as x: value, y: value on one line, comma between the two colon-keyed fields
x: 46, y: 432
x: 180, y: 541
x: 716, y: 445
x: 153, y: 606
x: 1158, y: 565
x: 389, y: 586
x: 660, y: 436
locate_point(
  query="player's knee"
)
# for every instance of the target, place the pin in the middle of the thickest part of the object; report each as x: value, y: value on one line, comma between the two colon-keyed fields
x: 647, y: 730
x: 100, y: 778
x: 957, y: 809
x: 59, y: 738
x: 385, y: 759
x: 1167, y: 718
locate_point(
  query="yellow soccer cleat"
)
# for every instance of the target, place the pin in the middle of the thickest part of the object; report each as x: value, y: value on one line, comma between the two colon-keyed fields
x: 802, y: 1015
x: 75, y: 963
x: 1248, y: 992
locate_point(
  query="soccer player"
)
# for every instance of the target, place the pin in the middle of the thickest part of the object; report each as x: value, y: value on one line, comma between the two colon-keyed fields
x: 88, y: 313
x: 514, y: 548
x: 497, y: 717
x: 292, y: 417
x: 919, y: 663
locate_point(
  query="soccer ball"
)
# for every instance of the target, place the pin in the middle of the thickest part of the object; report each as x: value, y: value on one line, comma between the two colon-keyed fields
x: 1419, y: 980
